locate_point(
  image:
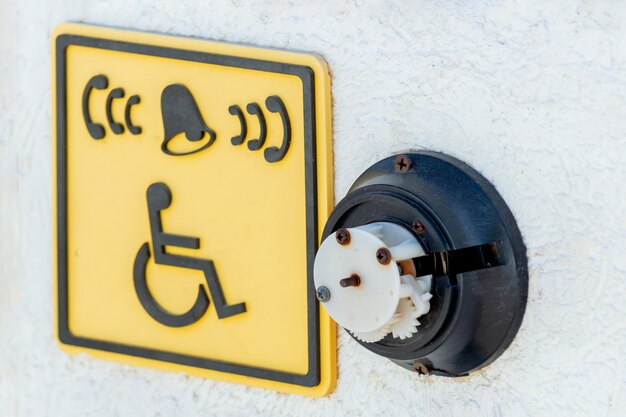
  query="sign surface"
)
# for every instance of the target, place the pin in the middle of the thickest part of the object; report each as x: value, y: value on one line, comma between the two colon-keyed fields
x: 192, y: 182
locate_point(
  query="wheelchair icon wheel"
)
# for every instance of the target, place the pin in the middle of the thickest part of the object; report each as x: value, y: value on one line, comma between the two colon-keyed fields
x: 150, y: 304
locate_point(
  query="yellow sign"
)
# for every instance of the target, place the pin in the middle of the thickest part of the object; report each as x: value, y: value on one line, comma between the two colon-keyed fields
x: 193, y: 180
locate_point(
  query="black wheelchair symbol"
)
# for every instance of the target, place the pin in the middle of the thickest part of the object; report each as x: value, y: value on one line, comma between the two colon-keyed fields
x: 159, y: 198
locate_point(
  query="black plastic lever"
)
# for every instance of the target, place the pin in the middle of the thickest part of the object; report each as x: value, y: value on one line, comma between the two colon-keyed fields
x: 457, y: 261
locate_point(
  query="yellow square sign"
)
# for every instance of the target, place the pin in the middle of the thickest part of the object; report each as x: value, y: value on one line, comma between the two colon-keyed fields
x: 192, y: 181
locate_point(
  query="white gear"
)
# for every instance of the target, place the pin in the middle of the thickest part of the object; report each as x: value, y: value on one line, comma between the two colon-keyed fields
x: 374, y: 335
x: 387, y: 298
x: 407, y: 322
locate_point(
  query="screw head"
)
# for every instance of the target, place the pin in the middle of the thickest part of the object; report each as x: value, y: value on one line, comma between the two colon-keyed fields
x: 343, y: 236
x: 322, y: 294
x: 418, y: 226
x: 420, y: 368
x: 383, y: 256
x: 402, y: 164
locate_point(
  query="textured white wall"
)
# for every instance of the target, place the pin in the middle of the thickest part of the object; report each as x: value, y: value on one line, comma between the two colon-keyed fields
x: 531, y: 93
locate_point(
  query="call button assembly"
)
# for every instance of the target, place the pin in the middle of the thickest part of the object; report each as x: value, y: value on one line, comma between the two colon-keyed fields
x: 422, y: 262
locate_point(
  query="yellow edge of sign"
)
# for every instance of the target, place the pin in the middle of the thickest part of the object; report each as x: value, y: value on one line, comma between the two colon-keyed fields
x: 328, y: 342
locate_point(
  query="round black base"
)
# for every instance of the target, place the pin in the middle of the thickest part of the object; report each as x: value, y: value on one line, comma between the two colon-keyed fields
x: 475, y: 315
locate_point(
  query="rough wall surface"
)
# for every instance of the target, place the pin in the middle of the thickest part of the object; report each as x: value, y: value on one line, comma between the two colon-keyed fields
x: 532, y: 94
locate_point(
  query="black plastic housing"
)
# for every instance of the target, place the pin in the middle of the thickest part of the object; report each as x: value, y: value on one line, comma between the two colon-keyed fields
x: 474, y: 316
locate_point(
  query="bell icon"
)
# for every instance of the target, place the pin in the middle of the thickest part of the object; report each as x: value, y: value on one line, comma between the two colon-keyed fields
x: 181, y: 114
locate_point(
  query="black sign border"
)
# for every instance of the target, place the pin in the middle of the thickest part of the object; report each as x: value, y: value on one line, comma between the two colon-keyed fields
x: 307, y: 76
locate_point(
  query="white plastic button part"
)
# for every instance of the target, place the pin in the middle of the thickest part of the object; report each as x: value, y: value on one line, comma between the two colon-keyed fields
x: 370, y: 287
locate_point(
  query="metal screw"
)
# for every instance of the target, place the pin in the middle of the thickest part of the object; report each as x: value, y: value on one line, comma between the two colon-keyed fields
x: 322, y: 294
x: 383, y: 256
x: 421, y: 369
x: 402, y: 164
x: 342, y: 236
x: 418, y: 226
x: 352, y: 281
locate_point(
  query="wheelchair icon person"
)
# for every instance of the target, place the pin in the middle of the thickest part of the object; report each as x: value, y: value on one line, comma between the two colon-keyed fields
x: 159, y: 198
